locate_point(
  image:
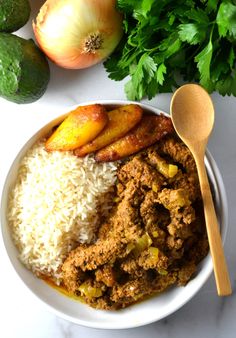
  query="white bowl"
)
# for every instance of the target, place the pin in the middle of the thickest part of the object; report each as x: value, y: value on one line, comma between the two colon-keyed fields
x: 145, y: 312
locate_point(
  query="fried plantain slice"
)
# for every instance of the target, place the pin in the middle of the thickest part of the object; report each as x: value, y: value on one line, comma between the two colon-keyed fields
x: 129, y: 115
x: 80, y: 127
x: 150, y: 129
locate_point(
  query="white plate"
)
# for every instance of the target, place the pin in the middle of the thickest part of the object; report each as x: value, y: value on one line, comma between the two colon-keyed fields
x: 145, y: 312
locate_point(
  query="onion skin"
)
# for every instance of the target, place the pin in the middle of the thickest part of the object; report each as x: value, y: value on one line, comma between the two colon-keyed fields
x: 67, y: 31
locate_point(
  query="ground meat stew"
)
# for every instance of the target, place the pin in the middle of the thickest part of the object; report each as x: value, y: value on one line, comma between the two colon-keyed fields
x: 154, y: 237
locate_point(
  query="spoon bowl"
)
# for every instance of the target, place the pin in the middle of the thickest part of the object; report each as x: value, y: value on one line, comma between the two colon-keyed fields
x: 192, y: 113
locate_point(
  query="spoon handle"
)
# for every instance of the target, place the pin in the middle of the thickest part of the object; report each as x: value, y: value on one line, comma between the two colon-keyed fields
x: 220, y: 267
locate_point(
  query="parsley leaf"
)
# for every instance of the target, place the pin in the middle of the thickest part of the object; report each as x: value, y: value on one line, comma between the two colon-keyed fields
x: 192, y: 33
x: 126, y: 5
x: 203, y: 60
x: 141, y: 75
x: 160, y: 73
x: 211, y: 5
x: 145, y: 7
x: 231, y: 58
x: 227, y: 86
x: 197, y: 15
x: 226, y: 19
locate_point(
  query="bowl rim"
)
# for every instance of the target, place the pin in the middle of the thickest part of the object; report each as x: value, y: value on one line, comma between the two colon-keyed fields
x: 221, y: 199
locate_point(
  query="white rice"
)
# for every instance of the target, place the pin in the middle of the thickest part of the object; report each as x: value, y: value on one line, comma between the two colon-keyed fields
x: 57, y: 202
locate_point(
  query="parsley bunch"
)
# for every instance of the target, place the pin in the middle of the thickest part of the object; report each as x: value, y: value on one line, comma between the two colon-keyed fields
x: 166, y: 40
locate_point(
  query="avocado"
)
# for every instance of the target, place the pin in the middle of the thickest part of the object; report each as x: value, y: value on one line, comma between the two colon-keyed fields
x: 13, y: 14
x: 24, y: 69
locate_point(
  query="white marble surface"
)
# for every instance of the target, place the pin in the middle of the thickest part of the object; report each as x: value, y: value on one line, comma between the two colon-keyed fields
x: 206, y: 315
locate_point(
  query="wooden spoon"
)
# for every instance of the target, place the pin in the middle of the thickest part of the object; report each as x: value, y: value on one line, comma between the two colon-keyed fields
x: 192, y: 114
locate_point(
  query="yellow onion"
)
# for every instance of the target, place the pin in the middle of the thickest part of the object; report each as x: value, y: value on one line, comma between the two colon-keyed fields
x: 78, y: 33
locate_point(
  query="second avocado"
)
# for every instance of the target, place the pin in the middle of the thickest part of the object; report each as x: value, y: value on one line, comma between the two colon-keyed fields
x: 13, y: 14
